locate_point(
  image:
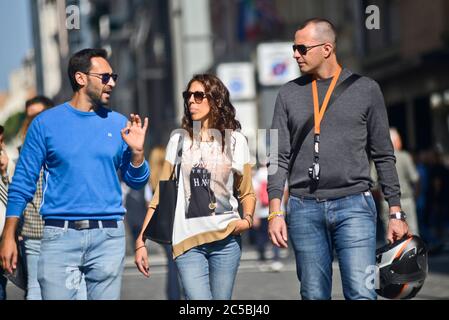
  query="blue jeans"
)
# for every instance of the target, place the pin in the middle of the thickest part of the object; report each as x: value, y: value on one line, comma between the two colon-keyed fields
x: 32, y: 249
x: 347, y: 225
x: 68, y: 254
x: 172, y: 287
x: 208, y: 271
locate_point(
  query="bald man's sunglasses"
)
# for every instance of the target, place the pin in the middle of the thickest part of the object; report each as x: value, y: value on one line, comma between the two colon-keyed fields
x: 302, y: 49
x: 105, y: 77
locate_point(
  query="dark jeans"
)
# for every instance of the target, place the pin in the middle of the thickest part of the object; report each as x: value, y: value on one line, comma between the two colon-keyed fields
x: 262, y: 241
x: 3, y: 281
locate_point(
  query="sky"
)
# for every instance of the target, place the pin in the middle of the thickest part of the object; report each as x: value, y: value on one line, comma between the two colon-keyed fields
x: 15, y: 36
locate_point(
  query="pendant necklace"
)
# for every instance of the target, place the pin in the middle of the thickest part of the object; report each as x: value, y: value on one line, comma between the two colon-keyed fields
x: 212, y: 200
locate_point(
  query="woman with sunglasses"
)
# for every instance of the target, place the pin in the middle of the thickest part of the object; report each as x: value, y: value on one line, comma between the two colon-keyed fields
x: 214, y: 163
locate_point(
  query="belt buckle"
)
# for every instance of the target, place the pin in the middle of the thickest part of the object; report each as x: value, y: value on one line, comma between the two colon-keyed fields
x: 81, y: 224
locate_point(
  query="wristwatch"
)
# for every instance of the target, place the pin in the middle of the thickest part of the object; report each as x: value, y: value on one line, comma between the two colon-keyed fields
x: 399, y: 215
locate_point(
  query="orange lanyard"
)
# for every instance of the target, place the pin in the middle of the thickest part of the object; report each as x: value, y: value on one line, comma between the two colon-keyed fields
x: 317, y: 113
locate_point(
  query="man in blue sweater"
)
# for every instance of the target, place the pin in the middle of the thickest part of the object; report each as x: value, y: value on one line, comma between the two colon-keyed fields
x: 81, y: 145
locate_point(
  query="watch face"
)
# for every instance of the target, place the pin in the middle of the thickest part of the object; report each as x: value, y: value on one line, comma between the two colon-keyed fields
x: 398, y: 215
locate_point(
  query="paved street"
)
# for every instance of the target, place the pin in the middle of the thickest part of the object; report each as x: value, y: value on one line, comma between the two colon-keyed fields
x: 254, y: 284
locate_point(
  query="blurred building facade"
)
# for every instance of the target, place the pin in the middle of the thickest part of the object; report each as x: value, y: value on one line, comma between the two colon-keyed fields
x: 21, y: 86
x: 408, y: 55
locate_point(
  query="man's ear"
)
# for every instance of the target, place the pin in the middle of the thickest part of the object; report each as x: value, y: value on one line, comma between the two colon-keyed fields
x: 81, y: 78
x: 328, y: 49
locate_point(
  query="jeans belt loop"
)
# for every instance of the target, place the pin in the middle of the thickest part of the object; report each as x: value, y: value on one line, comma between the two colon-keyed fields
x: 66, y: 225
x: 100, y: 224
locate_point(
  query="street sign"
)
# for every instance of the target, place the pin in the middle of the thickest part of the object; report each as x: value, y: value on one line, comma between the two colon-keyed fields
x: 275, y: 63
x: 238, y: 77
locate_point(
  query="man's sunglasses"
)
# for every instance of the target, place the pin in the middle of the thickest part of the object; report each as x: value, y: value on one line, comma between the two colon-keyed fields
x: 198, y: 96
x: 302, y: 49
x: 105, y: 77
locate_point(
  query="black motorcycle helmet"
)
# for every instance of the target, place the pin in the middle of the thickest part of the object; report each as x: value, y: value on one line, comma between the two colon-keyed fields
x: 402, y: 268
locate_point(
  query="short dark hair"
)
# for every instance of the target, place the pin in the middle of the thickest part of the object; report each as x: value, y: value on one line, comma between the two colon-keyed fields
x: 329, y: 24
x: 47, y: 102
x: 80, y: 62
x: 2, y: 129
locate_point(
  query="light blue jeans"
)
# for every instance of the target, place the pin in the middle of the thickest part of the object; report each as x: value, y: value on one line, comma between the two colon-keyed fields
x: 208, y: 271
x: 68, y: 254
x: 32, y: 249
x: 346, y: 225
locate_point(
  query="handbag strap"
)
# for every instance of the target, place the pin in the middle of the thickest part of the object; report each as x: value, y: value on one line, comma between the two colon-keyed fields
x: 178, y: 159
x: 310, y: 122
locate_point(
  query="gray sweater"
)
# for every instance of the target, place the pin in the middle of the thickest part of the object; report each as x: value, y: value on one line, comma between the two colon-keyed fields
x: 355, y: 123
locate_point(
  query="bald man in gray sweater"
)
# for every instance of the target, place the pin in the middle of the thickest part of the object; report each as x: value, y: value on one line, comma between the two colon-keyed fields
x: 330, y: 205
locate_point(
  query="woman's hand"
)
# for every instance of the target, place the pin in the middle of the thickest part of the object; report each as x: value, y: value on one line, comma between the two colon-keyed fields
x: 241, y: 226
x: 141, y: 258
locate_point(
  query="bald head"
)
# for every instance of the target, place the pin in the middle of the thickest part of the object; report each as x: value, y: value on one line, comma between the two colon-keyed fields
x: 322, y: 30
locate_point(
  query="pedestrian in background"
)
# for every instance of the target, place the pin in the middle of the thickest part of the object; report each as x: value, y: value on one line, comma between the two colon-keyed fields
x: 32, y: 224
x: 261, y: 223
x: 6, y: 171
x: 408, y: 179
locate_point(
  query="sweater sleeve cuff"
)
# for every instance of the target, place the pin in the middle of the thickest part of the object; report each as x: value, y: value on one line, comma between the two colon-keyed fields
x: 138, y: 171
x: 275, y: 194
x: 136, y: 167
x: 14, y: 209
x: 394, y: 201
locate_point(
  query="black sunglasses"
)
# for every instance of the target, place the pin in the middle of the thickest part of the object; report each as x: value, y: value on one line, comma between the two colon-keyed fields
x: 105, y: 77
x: 302, y: 49
x: 198, y: 96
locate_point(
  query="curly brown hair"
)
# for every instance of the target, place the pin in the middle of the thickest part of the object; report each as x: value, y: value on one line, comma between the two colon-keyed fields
x: 221, y: 108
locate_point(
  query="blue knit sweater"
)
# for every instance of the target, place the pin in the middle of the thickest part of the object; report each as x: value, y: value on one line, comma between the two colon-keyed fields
x: 81, y: 153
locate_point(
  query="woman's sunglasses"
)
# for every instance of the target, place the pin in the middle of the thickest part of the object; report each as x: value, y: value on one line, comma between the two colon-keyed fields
x: 302, y: 49
x: 198, y: 96
x: 105, y: 77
